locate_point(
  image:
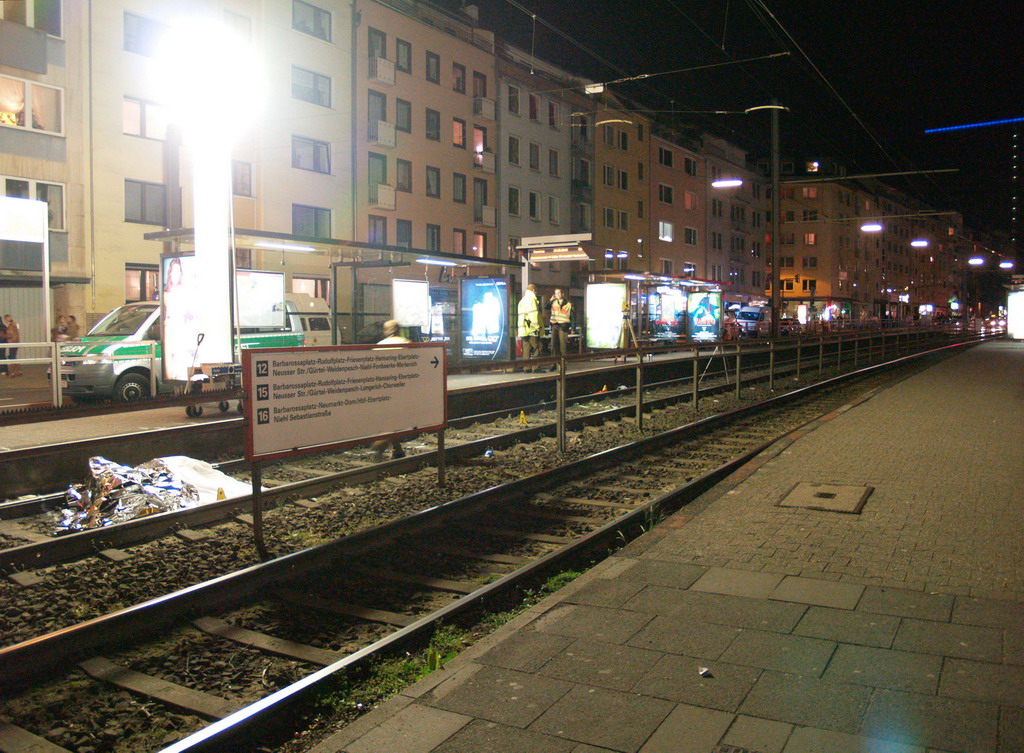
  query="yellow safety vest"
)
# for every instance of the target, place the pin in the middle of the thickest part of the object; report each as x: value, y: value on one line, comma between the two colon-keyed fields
x: 560, y: 313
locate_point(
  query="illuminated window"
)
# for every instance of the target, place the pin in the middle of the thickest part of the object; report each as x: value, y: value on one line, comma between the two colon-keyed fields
x: 810, y: 192
x: 146, y: 119
x: 19, y: 97
x: 810, y: 239
x: 459, y: 133
x: 690, y: 200
x: 141, y: 282
x: 665, y: 231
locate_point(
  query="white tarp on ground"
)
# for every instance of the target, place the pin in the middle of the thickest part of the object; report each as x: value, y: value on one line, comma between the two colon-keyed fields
x: 206, y: 479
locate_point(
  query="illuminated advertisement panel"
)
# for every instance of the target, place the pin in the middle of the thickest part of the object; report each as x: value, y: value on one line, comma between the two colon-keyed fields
x: 604, y: 306
x: 182, y: 316
x: 704, y: 315
x: 485, y: 318
x: 260, y: 299
x: 410, y: 300
x: 1015, y: 314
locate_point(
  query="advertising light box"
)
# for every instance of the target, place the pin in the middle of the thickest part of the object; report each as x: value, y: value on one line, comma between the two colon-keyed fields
x: 1015, y: 314
x: 604, y: 306
x: 704, y: 316
x: 485, y: 318
x: 411, y: 303
x: 260, y: 299
x: 182, y: 316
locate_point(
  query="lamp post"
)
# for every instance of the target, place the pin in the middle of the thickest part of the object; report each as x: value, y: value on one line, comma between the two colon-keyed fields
x: 775, y: 107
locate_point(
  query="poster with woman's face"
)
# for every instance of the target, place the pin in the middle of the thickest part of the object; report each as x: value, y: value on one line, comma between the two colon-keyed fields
x: 181, y: 325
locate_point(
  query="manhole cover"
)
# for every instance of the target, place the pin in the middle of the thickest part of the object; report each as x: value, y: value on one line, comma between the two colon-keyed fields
x: 831, y: 497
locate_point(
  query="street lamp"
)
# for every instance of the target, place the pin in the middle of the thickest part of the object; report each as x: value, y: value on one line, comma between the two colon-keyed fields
x: 726, y: 183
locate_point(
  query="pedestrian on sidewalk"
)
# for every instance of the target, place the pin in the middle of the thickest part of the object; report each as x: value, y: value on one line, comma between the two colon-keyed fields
x: 391, y: 337
x: 529, y: 323
x: 72, y: 330
x: 12, y: 333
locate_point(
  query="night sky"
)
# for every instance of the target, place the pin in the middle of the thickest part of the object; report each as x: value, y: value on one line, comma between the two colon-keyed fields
x: 900, y: 67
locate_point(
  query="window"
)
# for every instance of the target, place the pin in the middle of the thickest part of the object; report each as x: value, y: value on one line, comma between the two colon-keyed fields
x: 716, y: 207
x: 810, y: 285
x: 640, y: 132
x: 640, y: 210
x: 623, y: 141
x: 142, y: 35
x: 666, y: 266
x: 145, y: 202
x: 665, y: 193
x: 376, y: 110
x: 666, y: 232
x: 640, y: 171
x: 140, y: 118
x: 479, y: 84
x: 403, y: 115
x: 513, y: 201
x: 403, y: 175
x: 241, y: 178
x: 313, y: 222
x: 459, y: 78
x: 581, y: 172
x: 533, y: 107
x: 433, y: 237
x: 623, y: 220
x: 623, y: 180
x: 716, y: 241
x: 810, y: 192
x: 609, y: 135
x: 403, y: 233
x: 665, y: 156
x: 433, y: 125
x: 513, y: 99
x: 36, y: 14
x: 554, y: 210
x: 810, y: 239
x: 458, y: 241
x: 534, y: 156
x: 459, y: 188
x: 534, y: 199
x: 690, y: 200
x: 311, y: 20
x: 377, y: 43
x: 377, y: 230
x: 403, y: 56
x: 689, y: 166
x: 309, y: 154
x: 690, y: 236
x: 434, y: 182
x: 19, y: 98
x: 480, y: 244
x: 479, y: 139
x: 553, y: 162
x: 51, y: 193
x: 311, y: 87
x: 810, y: 215
x: 513, y: 150
x: 553, y: 114
x: 785, y: 261
x: 585, y: 217
x: 608, y: 175
x: 459, y: 133
x: 141, y: 283
x: 608, y: 217
x: 433, y: 72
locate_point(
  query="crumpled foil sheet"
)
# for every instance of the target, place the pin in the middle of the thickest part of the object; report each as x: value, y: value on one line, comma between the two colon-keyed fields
x: 117, y: 493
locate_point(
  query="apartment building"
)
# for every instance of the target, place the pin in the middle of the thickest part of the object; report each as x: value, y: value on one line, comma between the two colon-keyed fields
x: 736, y: 222
x: 622, y: 174
x: 677, y: 197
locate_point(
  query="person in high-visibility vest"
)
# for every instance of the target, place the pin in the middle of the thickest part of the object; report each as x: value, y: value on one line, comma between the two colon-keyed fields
x: 529, y: 322
x: 560, y: 318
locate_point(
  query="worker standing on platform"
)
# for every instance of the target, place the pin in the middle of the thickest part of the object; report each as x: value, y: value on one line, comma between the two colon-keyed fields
x: 561, y: 318
x: 529, y: 322
x: 391, y: 337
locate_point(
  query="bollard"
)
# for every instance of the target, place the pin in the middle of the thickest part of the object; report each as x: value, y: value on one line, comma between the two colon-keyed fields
x: 560, y: 388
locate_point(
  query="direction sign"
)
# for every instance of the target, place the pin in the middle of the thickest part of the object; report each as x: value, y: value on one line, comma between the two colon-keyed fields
x: 314, y: 398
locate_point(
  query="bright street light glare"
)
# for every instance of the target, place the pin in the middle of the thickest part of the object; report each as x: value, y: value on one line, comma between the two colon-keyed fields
x: 437, y: 262
x: 871, y: 227
x: 283, y: 246
x: 919, y: 243
x: 975, y: 261
x: 726, y: 183
x: 1006, y: 264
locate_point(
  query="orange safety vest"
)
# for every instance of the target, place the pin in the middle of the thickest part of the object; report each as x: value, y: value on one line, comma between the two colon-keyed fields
x: 560, y: 313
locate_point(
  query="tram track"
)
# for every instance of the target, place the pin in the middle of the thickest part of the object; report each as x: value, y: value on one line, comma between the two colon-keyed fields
x: 506, y: 532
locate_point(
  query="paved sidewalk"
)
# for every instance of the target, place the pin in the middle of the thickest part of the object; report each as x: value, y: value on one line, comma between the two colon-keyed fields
x: 740, y: 625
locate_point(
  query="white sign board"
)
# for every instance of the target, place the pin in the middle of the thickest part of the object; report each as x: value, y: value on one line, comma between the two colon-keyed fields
x: 23, y: 220
x: 305, y: 398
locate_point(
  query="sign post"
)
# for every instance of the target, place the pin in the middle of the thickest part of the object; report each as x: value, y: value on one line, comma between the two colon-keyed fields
x: 312, y: 399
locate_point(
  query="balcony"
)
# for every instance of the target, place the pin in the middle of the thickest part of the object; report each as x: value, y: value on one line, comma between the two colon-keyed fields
x: 484, y: 160
x: 382, y: 71
x: 486, y: 216
x: 485, y: 108
x: 382, y: 196
x: 381, y: 133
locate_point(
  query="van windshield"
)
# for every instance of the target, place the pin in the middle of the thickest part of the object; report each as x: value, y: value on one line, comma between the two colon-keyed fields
x: 750, y: 316
x: 122, y: 321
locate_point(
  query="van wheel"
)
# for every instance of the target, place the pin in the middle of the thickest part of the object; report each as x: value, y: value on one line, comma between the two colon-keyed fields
x: 240, y: 408
x: 193, y: 411
x: 223, y: 406
x: 131, y: 387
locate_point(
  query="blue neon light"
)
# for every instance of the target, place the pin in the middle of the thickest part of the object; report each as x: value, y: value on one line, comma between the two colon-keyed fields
x: 974, y: 125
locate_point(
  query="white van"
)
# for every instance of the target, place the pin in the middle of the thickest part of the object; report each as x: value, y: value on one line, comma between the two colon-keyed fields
x: 754, y: 320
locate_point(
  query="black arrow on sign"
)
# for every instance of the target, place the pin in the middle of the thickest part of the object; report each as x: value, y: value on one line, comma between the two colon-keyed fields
x: 435, y: 362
